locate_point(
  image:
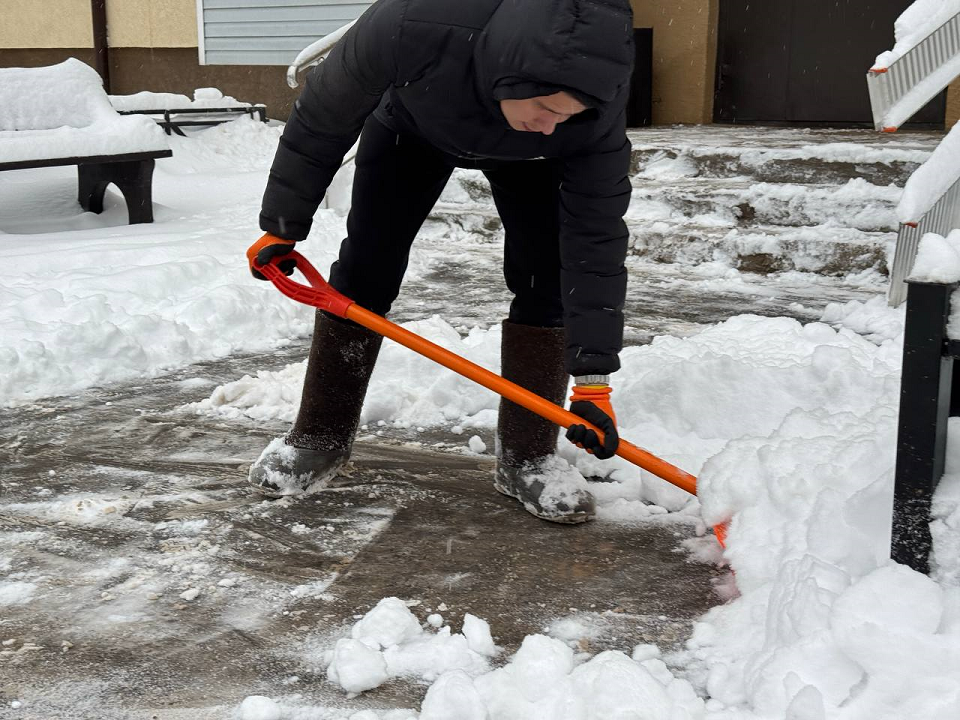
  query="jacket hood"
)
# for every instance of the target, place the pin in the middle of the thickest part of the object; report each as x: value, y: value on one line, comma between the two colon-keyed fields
x: 540, y: 47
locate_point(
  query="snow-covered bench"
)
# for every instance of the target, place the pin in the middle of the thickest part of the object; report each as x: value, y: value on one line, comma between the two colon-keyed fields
x: 173, y: 111
x: 60, y: 115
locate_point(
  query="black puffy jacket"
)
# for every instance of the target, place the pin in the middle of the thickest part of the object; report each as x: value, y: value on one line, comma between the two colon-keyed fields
x: 438, y: 69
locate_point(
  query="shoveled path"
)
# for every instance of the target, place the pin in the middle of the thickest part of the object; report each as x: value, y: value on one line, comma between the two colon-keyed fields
x: 115, y: 502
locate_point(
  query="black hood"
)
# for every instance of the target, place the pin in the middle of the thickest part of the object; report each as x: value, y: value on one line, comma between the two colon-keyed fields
x: 540, y: 47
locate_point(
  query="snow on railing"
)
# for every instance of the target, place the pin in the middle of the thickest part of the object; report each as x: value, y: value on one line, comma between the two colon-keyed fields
x: 314, y: 54
x: 930, y: 204
x: 899, y: 90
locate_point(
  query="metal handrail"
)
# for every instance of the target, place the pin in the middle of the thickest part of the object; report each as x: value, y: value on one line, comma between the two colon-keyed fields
x: 942, y: 218
x: 905, y: 78
x: 314, y: 54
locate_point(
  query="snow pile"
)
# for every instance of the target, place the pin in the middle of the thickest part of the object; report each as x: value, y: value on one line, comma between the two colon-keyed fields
x: 202, y: 98
x: 826, y: 626
x: 914, y: 24
x: 545, y: 678
x: 938, y: 259
x: 389, y: 642
x: 62, y: 111
x: 932, y: 179
x: 132, y: 301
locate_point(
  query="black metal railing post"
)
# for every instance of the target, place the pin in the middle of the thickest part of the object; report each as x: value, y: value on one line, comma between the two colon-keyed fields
x: 926, y: 391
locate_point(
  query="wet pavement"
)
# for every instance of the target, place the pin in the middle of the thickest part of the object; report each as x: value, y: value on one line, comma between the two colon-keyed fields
x: 115, y: 502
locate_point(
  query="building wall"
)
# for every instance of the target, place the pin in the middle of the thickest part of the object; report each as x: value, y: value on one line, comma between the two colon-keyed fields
x: 953, y: 104
x: 152, y: 23
x: 45, y: 24
x: 684, y: 57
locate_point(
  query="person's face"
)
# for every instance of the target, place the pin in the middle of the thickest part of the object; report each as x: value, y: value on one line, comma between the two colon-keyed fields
x: 540, y: 114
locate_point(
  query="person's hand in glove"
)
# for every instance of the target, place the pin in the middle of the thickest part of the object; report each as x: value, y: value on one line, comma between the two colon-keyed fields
x: 268, y: 247
x: 592, y: 403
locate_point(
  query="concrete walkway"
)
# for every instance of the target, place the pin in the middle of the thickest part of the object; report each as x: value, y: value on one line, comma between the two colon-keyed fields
x: 115, y: 503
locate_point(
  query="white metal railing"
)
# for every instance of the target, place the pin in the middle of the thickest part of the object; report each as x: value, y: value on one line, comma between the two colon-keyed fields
x: 314, y: 54
x: 941, y: 218
x: 914, y: 79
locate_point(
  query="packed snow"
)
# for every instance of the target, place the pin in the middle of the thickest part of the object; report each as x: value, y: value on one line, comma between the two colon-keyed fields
x: 790, y: 427
x: 67, y: 115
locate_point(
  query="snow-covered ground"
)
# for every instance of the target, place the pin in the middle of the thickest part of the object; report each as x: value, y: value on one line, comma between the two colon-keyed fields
x: 790, y: 427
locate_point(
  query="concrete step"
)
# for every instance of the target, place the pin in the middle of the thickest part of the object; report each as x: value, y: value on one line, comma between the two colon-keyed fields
x: 857, y: 203
x: 792, y: 155
x: 827, y: 249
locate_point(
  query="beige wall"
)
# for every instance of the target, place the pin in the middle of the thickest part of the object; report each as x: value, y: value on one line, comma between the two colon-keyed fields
x: 45, y: 23
x: 68, y: 23
x: 152, y: 23
x: 684, y: 57
x: 953, y: 104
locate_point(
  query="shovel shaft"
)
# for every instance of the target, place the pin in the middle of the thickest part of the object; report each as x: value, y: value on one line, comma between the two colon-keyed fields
x: 521, y: 396
x: 321, y: 295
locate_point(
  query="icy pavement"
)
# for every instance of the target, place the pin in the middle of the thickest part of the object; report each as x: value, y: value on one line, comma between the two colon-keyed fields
x: 150, y: 580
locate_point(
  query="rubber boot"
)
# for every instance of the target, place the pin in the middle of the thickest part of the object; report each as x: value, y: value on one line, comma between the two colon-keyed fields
x: 527, y: 466
x: 338, y: 371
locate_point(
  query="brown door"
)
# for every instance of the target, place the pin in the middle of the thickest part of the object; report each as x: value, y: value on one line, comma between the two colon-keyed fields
x: 803, y: 62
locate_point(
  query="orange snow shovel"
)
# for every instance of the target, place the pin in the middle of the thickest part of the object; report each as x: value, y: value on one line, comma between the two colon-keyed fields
x: 322, y: 295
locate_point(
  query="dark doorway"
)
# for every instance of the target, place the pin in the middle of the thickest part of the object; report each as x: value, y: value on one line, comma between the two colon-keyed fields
x: 804, y: 62
x: 640, y: 104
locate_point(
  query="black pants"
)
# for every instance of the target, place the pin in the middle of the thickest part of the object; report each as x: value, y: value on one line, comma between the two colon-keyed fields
x: 397, y: 182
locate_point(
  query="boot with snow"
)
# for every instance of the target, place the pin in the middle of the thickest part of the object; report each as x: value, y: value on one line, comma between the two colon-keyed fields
x: 527, y: 467
x: 318, y: 446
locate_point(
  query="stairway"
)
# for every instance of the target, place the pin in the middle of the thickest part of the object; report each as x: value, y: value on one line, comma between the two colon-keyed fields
x: 761, y: 199
x: 723, y: 220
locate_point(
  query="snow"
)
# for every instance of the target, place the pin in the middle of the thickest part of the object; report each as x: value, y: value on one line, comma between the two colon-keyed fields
x: 938, y: 259
x: 202, y: 98
x: 258, y: 707
x: 135, y: 300
x: 915, y: 23
x: 389, y: 642
x: 931, y: 180
x: 68, y: 115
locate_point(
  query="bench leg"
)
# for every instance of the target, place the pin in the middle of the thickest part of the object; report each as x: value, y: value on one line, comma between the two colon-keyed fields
x: 92, y: 187
x: 134, y: 179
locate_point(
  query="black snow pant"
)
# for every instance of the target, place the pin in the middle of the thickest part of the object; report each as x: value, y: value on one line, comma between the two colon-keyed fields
x: 398, y: 180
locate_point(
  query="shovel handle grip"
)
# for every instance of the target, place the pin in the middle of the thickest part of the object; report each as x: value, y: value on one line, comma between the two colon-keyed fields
x: 319, y: 294
x: 322, y: 295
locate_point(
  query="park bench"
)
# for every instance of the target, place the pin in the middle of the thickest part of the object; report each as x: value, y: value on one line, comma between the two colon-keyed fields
x: 60, y: 115
x: 173, y: 112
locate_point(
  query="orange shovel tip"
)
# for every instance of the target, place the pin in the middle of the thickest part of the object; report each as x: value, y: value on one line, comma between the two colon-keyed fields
x: 720, y: 531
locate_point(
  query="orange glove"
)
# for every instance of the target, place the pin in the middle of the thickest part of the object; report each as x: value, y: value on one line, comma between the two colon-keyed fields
x: 592, y: 403
x: 268, y: 247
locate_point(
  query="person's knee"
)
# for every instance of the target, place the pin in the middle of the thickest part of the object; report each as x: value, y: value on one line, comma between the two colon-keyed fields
x: 537, y: 310
x: 369, y: 291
